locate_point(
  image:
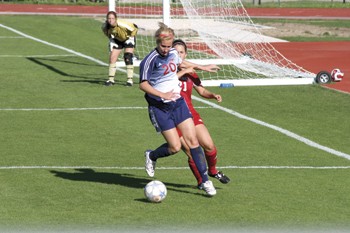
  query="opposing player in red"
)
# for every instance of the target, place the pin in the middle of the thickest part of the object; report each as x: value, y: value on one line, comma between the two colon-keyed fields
x: 188, y: 82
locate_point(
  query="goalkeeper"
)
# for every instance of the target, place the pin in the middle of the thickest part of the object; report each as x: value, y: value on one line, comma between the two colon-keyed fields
x: 188, y: 82
x: 121, y: 36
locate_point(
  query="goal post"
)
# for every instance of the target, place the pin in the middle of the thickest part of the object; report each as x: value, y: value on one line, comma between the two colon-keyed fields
x: 111, y: 5
x: 166, y: 12
x: 216, y: 32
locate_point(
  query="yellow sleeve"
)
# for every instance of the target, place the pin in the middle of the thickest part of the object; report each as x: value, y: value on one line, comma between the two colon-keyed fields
x: 134, y: 32
x: 131, y: 29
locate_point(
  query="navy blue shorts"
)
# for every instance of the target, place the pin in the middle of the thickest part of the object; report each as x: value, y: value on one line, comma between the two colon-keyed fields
x: 165, y: 116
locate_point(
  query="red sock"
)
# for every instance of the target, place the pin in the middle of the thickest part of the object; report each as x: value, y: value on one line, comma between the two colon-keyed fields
x: 195, y: 171
x: 211, y: 160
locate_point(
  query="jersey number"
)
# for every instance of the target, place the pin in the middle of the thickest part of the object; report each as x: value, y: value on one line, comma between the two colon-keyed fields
x: 171, y: 67
x: 184, y: 86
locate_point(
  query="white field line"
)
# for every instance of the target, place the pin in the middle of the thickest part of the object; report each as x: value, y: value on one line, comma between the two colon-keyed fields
x: 60, y: 47
x: 63, y: 55
x: 70, y: 109
x: 53, y: 45
x: 78, y: 109
x: 279, y: 129
x: 234, y: 113
x: 171, y: 168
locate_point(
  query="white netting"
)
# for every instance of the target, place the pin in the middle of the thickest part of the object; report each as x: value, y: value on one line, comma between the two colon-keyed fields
x: 218, y: 30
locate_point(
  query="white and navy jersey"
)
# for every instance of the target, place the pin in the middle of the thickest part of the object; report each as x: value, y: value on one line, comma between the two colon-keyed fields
x: 161, y: 72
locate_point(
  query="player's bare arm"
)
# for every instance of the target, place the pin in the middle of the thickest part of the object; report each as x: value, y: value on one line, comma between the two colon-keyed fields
x: 184, y: 71
x: 207, y: 94
x: 209, y: 68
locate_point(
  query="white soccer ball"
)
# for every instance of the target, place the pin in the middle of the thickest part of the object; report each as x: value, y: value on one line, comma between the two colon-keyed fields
x: 337, y: 75
x: 155, y: 191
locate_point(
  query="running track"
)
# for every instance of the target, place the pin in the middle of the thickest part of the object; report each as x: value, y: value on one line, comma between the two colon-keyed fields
x: 313, y: 56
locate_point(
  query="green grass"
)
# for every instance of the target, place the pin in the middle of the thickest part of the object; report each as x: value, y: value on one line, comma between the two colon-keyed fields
x: 317, y: 22
x: 105, y: 190
x: 337, y: 24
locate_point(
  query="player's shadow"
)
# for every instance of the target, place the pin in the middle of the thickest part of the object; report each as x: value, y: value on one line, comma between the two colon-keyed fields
x: 125, y: 179
x: 44, y: 62
x: 118, y: 81
x: 91, y: 175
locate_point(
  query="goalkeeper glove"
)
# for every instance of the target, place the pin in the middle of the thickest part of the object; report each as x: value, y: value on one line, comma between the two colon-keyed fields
x: 131, y: 40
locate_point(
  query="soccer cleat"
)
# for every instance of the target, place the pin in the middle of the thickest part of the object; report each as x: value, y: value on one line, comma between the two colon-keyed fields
x: 109, y: 83
x: 221, y: 177
x: 208, y: 187
x: 150, y: 165
x: 129, y: 82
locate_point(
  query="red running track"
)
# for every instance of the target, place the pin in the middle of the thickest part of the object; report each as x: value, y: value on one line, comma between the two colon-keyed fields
x: 320, y: 56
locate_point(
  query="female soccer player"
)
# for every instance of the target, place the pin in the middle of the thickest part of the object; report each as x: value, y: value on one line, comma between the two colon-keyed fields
x: 167, y: 109
x: 121, y: 35
x: 188, y: 82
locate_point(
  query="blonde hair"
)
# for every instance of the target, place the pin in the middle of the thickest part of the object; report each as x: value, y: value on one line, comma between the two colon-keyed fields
x: 164, y: 33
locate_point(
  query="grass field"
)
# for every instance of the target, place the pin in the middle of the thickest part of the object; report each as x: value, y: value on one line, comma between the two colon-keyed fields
x: 72, y: 149
x: 336, y: 24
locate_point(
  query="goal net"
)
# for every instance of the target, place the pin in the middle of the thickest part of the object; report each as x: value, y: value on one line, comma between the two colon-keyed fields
x: 216, y: 32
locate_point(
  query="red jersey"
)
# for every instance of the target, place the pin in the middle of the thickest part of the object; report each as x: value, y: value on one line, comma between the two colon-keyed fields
x: 187, y: 82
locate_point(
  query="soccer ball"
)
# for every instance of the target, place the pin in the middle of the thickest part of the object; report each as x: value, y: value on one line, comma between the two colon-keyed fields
x: 337, y: 75
x: 155, y: 191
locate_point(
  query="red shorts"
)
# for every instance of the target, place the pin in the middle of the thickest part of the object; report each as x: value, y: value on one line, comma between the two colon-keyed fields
x: 196, y: 119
